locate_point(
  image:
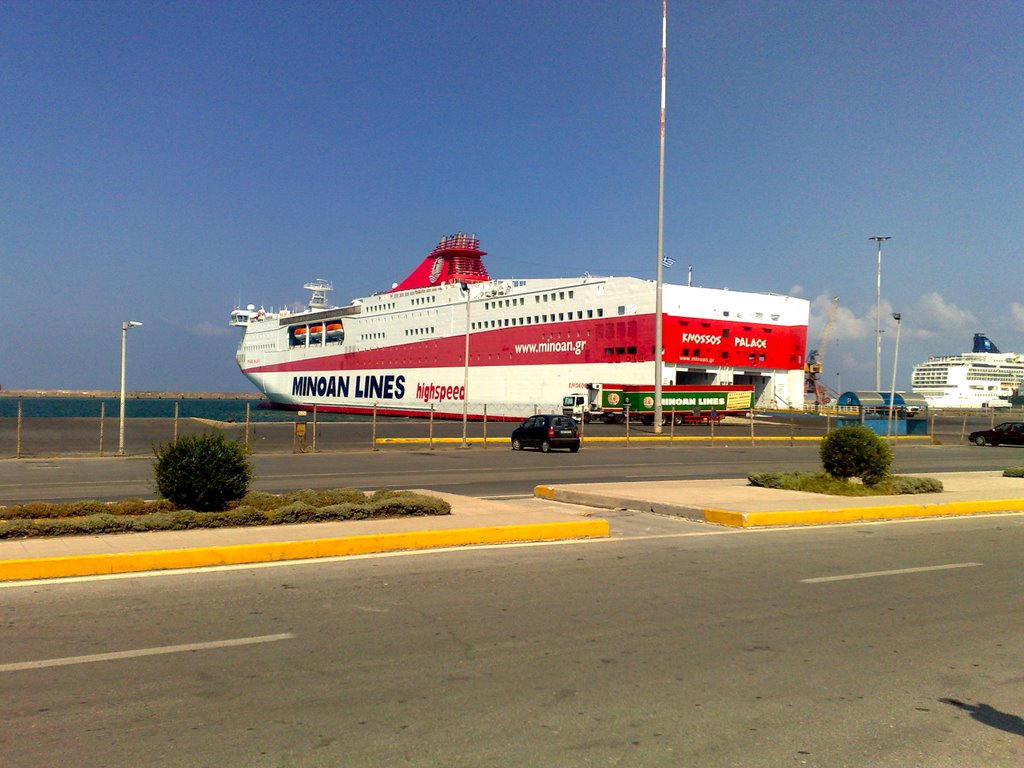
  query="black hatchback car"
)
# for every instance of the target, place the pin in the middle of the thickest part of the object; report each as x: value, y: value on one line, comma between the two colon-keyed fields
x: 547, y: 431
x: 1007, y: 433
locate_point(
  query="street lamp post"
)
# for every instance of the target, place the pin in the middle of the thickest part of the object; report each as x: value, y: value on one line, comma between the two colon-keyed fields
x: 124, y: 348
x: 892, y: 389
x: 465, y: 372
x: 879, y: 239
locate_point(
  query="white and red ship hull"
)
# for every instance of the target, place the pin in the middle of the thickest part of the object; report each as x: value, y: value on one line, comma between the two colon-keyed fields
x: 530, y: 342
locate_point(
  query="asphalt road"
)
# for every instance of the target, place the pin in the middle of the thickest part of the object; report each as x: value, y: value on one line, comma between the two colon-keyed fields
x: 668, y: 645
x: 495, y: 471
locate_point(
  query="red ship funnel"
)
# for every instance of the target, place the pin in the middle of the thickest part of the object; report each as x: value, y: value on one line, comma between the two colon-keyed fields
x: 456, y: 259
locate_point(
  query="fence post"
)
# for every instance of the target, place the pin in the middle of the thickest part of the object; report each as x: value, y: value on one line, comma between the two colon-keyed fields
x: 17, y: 442
x: 671, y: 426
x: 963, y: 428
x: 247, y: 426
x: 485, y: 425
x: 175, y: 420
x: 711, y: 421
x: 751, y: 416
x: 625, y: 411
x: 431, y: 438
x: 373, y: 430
x: 792, y: 430
x: 314, y: 421
x: 103, y: 413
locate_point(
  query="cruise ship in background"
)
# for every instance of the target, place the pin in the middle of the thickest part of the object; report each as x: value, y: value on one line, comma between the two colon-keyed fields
x: 982, y: 378
x: 530, y: 341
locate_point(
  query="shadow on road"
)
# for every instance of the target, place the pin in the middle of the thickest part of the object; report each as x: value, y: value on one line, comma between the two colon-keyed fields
x: 990, y: 716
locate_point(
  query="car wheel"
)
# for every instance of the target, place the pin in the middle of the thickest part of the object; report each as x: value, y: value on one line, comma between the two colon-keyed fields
x: 574, y: 449
x: 979, y: 440
x: 545, y: 447
x: 516, y: 445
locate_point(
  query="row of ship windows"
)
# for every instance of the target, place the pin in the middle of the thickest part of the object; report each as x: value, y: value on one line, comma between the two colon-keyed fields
x: 537, y: 319
x: 725, y: 331
x: 995, y: 375
x: 420, y: 300
x: 757, y: 315
x: 521, y: 300
x: 419, y: 331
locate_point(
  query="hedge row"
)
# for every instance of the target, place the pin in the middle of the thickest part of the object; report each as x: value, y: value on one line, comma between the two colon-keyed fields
x: 253, y: 509
x: 822, y: 482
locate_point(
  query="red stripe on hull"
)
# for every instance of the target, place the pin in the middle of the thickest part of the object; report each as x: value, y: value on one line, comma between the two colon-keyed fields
x: 606, y: 340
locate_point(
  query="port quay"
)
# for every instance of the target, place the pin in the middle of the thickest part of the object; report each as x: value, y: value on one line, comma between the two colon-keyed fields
x: 27, y: 432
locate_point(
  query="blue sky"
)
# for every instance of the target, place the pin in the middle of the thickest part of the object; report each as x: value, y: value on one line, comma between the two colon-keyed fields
x: 165, y: 161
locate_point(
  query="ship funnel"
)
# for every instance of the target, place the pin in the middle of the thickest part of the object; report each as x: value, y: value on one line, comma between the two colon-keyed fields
x: 983, y: 343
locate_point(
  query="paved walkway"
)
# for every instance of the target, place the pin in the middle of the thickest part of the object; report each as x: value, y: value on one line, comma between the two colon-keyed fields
x: 553, y: 515
x: 734, y: 502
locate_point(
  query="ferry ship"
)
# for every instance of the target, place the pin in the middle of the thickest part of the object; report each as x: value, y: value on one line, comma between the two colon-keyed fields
x: 452, y: 341
x: 982, y: 378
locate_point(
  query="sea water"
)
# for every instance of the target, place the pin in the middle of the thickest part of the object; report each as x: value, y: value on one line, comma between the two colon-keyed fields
x: 154, y: 408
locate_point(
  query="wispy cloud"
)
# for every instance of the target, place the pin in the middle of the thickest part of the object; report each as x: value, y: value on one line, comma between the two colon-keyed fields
x: 1017, y: 313
x: 932, y: 316
x: 206, y: 328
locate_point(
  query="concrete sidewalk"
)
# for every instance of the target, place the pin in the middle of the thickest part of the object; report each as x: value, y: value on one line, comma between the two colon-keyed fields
x: 472, y: 521
x: 735, y: 502
x: 548, y: 516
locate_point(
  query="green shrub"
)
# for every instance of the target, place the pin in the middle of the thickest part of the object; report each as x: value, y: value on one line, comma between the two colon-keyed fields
x: 1013, y: 472
x: 328, y: 496
x: 266, y: 509
x: 769, y: 480
x: 260, y: 500
x: 901, y: 484
x: 202, y: 472
x: 856, y: 451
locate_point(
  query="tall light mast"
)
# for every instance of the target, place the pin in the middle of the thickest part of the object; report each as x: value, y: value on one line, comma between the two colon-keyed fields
x: 658, y: 352
x: 879, y: 239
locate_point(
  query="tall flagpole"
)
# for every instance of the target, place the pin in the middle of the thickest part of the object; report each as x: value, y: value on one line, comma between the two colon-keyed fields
x: 658, y: 351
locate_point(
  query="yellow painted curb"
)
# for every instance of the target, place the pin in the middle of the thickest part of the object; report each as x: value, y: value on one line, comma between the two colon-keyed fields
x: 130, y: 562
x: 854, y: 514
x: 636, y: 439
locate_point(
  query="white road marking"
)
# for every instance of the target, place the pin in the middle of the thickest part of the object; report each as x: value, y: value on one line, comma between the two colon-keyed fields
x: 801, y: 530
x: 897, y: 572
x: 63, y: 662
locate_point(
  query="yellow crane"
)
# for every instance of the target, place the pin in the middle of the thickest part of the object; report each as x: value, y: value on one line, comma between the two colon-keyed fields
x: 816, y: 358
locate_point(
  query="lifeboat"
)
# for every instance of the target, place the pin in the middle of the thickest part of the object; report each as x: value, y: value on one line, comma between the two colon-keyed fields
x: 335, y: 332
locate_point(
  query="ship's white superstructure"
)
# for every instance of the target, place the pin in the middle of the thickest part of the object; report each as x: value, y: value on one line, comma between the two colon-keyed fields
x: 529, y: 341
x: 982, y: 378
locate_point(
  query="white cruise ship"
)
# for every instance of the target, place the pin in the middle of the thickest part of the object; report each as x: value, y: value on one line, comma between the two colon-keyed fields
x: 982, y: 378
x: 450, y: 340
